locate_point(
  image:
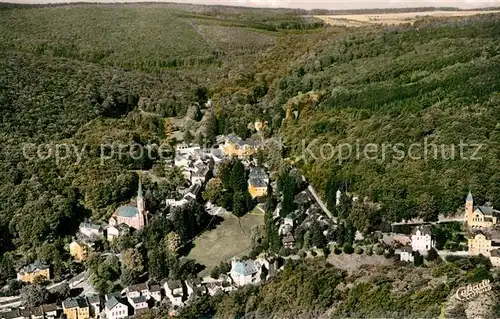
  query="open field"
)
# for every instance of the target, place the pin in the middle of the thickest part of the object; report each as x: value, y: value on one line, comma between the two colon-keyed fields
x: 357, y: 20
x: 353, y: 262
x: 230, y: 238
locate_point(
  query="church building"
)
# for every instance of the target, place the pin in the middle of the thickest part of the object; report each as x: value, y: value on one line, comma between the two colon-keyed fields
x: 479, y: 216
x: 135, y: 216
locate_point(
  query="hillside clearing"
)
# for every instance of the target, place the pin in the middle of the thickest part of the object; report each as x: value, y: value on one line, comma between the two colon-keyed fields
x: 358, y: 20
x: 230, y: 238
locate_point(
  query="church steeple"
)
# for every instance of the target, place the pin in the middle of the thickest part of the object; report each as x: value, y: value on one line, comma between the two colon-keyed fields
x: 140, y: 198
x: 469, y: 198
x: 139, y: 192
x: 469, y: 207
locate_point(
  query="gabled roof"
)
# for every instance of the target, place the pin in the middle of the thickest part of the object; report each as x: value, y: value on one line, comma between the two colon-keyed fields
x: 407, y: 249
x: 495, y: 253
x: 122, y: 227
x: 11, y: 314
x: 194, y: 189
x: 82, y: 302
x: 36, y: 266
x: 256, y: 182
x: 127, y: 211
x: 174, y: 284
x: 70, y: 303
x: 39, y: 311
x: 257, y: 172
x: 90, y: 225
x: 246, y: 267
x: 486, y: 210
x: 424, y: 230
x: 288, y: 239
x: 94, y: 299
x: 138, y: 287
x: 112, y: 302
x: 154, y: 288
x: 139, y: 299
x: 26, y: 312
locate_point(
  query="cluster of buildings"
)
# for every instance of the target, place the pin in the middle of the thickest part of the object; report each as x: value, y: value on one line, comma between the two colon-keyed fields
x: 421, y: 241
x: 126, y: 218
x: 48, y: 311
x: 234, y: 146
x: 195, y: 161
x: 483, y: 234
x: 306, y: 213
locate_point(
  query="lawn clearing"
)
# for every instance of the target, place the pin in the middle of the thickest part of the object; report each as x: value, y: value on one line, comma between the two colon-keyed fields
x: 357, y: 20
x: 354, y: 261
x: 230, y: 238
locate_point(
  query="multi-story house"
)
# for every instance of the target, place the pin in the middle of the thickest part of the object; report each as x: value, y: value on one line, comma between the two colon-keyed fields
x: 483, y: 242
x: 174, y: 292
x: 245, y: 272
x: 76, y: 308
x: 421, y: 239
x: 91, y: 229
x: 35, y: 270
x: 235, y: 146
x: 194, y: 287
x: 115, y: 231
x: 79, y: 250
x: 495, y: 257
x: 139, y: 304
x: 115, y: 308
x: 155, y: 292
x: 137, y: 290
x: 95, y: 305
x: 49, y: 311
x: 257, y: 182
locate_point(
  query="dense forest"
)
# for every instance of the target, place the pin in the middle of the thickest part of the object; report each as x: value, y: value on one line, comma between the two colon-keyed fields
x: 85, y: 75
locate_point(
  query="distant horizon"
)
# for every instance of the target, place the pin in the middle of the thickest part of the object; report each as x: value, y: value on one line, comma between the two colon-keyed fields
x: 294, y: 4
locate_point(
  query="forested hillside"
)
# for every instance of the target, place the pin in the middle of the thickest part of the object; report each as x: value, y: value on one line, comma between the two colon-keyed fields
x: 88, y: 74
x: 435, y: 83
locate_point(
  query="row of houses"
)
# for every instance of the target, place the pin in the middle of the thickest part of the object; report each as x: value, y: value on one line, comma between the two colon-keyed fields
x: 138, y: 299
x: 48, y: 311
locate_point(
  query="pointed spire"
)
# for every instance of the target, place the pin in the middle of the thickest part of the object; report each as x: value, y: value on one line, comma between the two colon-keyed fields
x: 139, y: 191
x: 469, y: 197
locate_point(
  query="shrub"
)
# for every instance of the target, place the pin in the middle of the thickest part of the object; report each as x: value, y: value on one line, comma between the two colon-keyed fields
x: 388, y: 253
x: 326, y: 251
x: 481, y: 272
x: 432, y: 255
x: 418, y: 260
x: 313, y: 253
x: 215, y: 273
x: 358, y: 250
x: 369, y: 250
x: 303, y: 254
x: 348, y: 249
x: 337, y: 251
x: 378, y: 250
